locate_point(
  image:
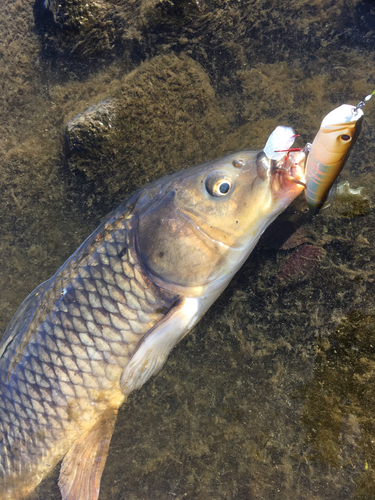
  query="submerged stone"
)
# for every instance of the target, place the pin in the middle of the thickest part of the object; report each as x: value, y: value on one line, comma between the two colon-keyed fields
x: 157, y: 120
x: 91, y: 128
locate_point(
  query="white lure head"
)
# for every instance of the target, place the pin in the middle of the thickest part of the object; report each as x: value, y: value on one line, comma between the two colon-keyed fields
x: 343, y: 114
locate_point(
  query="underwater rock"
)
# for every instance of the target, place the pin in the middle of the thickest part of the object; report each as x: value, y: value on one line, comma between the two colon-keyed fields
x: 90, y: 129
x: 90, y: 28
x: 162, y: 114
x: 87, y: 27
x: 74, y: 14
x: 220, y: 34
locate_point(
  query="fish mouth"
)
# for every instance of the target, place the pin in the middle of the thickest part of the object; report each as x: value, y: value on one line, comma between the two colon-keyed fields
x: 288, y: 175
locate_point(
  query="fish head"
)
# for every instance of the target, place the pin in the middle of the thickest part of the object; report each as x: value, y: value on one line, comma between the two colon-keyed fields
x: 207, y: 219
x: 338, y: 132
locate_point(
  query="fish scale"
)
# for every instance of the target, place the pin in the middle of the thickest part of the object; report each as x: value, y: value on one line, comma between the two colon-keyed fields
x: 89, y: 322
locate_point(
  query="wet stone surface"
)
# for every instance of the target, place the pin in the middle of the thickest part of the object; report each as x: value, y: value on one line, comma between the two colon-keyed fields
x: 271, y: 396
x: 91, y: 128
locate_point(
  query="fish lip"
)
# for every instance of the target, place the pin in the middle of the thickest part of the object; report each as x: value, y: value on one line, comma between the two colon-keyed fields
x: 288, y: 175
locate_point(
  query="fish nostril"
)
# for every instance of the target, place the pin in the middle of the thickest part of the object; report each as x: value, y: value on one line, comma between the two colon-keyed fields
x: 238, y: 163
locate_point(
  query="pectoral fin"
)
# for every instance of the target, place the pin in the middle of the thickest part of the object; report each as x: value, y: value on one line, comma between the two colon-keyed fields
x: 153, y: 351
x: 83, y: 465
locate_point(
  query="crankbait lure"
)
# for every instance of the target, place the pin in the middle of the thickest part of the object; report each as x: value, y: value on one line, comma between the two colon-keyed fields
x: 330, y: 150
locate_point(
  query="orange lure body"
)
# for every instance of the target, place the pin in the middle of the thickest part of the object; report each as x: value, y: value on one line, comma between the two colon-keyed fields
x: 330, y: 150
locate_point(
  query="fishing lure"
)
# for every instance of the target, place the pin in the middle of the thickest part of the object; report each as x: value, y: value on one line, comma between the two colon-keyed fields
x: 330, y: 150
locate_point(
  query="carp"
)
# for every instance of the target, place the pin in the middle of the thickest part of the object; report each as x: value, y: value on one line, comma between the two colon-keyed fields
x: 106, y: 321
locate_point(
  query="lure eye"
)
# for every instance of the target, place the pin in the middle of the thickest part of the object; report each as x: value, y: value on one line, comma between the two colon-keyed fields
x: 345, y: 138
x: 218, y: 184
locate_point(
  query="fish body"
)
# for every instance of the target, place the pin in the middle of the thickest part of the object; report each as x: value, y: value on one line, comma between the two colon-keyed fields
x: 330, y: 150
x: 107, y: 320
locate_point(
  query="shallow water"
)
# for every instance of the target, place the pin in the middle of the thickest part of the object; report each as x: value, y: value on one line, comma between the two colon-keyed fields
x: 271, y: 396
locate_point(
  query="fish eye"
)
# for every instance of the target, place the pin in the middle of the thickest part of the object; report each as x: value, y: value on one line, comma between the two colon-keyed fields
x: 345, y: 138
x: 218, y: 184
